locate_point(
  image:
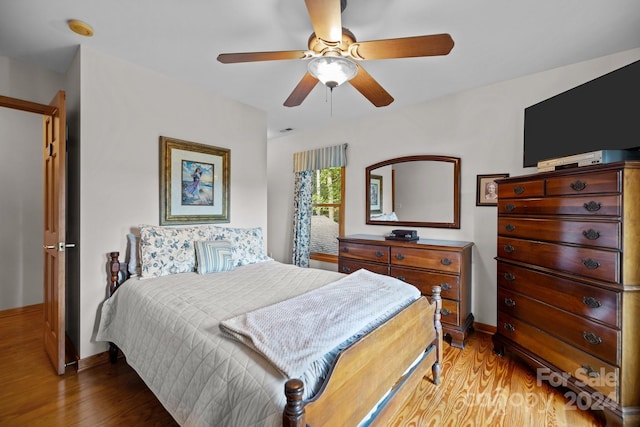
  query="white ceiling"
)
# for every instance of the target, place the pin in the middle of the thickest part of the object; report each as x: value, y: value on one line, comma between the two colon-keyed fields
x: 494, y: 40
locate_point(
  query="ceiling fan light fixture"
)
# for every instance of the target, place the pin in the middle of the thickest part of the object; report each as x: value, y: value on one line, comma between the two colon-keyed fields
x: 332, y: 71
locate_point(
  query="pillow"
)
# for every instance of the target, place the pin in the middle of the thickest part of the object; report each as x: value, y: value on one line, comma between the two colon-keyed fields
x: 169, y: 250
x: 248, y: 245
x: 214, y: 256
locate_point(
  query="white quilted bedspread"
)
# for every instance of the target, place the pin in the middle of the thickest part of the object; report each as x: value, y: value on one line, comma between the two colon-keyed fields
x: 201, y: 377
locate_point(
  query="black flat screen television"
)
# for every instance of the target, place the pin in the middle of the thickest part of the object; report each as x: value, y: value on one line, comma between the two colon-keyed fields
x: 602, y: 114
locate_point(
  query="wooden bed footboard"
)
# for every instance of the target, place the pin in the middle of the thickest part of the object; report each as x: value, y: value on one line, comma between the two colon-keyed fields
x: 371, y: 367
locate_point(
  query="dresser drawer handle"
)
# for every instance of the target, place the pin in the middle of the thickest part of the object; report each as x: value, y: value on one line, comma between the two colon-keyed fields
x: 591, y: 264
x: 510, y: 227
x: 591, y: 234
x: 578, y: 185
x: 445, y: 261
x: 509, y: 302
x: 509, y: 327
x: 345, y: 249
x: 509, y: 276
x: 509, y: 249
x: 518, y: 190
x: 346, y: 269
x: 592, y: 206
x: 592, y: 373
x: 445, y: 312
x: 379, y: 254
x: 510, y: 207
x: 399, y: 257
x: 591, y: 302
x: 401, y: 278
x: 445, y: 286
x: 591, y: 338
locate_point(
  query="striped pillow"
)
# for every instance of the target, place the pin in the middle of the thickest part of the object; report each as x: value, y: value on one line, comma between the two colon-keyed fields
x: 214, y: 256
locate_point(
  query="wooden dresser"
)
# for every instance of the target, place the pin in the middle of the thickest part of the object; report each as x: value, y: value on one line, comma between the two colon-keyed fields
x: 569, y: 283
x: 423, y: 263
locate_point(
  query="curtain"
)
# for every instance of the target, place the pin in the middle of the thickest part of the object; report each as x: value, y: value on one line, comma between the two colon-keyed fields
x: 304, y: 163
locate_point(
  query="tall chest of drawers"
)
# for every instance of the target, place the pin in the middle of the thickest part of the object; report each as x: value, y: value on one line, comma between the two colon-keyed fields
x: 568, y: 261
x: 423, y: 263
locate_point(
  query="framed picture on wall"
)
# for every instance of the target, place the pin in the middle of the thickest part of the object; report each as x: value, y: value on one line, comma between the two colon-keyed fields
x: 375, y: 194
x: 194, y: 182
x: 487, y: 189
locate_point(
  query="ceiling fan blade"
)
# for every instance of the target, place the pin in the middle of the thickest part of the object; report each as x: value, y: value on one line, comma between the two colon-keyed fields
x: 405, y: 47
x: 326, y: 19
x: 370, y: 89
x: 232, y: 58
x: 301, y: 91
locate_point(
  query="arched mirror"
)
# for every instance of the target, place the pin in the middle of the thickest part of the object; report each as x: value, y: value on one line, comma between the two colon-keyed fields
x: 414, y: 191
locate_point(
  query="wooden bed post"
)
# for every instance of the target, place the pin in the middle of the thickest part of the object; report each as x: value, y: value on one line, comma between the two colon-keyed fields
x: 437, y: 367
x: 293, y: 415
x: 114, y: 268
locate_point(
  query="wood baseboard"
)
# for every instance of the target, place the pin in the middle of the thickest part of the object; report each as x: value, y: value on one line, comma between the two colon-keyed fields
x: 484, y: 328
x: 20, y: 310
x: 96, y: 360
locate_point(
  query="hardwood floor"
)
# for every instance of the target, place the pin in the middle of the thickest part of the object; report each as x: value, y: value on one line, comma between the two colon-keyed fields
x: 478, y: 389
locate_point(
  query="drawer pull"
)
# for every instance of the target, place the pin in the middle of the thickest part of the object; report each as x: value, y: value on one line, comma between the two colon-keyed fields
x: 379, y: 254
x: 591, y: 338
x: 510, y: 227
x: 445, y: 312
x: 592, y: 206
x: 510, y: 207
x: 578, y: 185
x: 591, y: 264
x: 509, y: 276
x: 445, y: 286
x: 509, y: 327
x: 591, y: 302
x: 509, y: 249
x: 399, y: 257
x: 518, y: 190
x: 445, y: 261
x: 509, y: 302
x: 346, y: 269
x: 401, y: 278
x: 345, y: 249
x: 592, y: 373
x: 591, y: 234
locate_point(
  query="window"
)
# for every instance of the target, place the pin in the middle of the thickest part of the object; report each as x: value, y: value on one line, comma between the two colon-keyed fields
x: 327, y: 219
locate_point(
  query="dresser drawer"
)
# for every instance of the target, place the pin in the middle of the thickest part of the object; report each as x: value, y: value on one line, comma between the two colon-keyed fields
x: 450, y: 312
x: 586, y: 183
x: 377, y: 253
x: 533, y: 188
x: 584, y: 300
x: 426, y: 258
x: 348, y: 266
x: 592, y: 371
x: 596, y: 339
x: 588, y: 233
x: 424, y: 280
x: 587, y: 262
x: 583, y: 205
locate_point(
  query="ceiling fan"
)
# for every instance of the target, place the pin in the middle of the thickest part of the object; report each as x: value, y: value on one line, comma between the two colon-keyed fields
x: 333, y: 49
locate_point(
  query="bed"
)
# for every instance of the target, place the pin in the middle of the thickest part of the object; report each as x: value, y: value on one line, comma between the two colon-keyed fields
x: 169, y: 328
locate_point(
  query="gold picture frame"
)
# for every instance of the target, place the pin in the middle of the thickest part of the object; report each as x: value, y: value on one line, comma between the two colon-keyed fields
x: 194, y: 182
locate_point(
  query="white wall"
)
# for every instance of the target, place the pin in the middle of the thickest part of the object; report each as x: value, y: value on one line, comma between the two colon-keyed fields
x: 124, y: 110
x: 484, y: 127
x: 21, y: 209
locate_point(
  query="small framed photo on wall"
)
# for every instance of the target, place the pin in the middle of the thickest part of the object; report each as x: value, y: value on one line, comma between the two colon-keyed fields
x: 487, y: 189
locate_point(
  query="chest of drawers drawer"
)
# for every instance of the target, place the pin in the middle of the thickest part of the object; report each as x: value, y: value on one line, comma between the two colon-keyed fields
x: 588, y: 233
x: 587, y: 262
x: 532, y: 188
x: 596, y: 205
x: 426, y: 258
x: 594, y: 338
x: 587, y: 183
x: 348, y: 266
x: 592, y: 302
x: 425, y: 280
x: 377, y: 253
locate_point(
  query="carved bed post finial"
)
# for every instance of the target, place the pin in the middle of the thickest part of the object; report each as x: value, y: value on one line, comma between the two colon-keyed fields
x: 293, y: 415
x: 114, y: 268
x: 437, y: 299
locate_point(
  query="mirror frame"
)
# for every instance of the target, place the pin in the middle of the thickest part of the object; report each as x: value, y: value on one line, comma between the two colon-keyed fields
x: 432, y: 158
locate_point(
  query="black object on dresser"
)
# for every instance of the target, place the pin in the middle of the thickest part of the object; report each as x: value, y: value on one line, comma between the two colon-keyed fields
x: 569, y: 282
x: 423, y: 263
